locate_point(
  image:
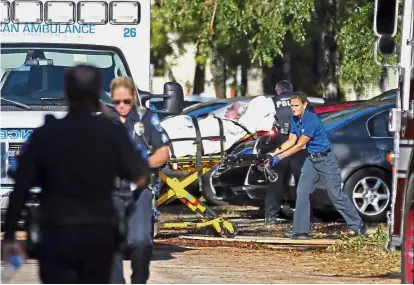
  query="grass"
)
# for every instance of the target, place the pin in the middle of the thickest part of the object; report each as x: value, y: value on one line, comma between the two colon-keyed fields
x: 376, y: 240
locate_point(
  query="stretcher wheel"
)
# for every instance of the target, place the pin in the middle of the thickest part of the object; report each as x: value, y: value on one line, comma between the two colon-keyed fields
x: 228, y: 230
x: 156, y: 229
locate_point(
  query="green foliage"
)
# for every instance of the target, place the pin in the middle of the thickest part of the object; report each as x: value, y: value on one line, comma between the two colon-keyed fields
x: 240, y: 31
x: 378, y: 239
x: 356, y: 41
x: 251, y: 32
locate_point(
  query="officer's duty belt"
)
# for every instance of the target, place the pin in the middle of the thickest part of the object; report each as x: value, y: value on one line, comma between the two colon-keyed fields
x: 320, y: 154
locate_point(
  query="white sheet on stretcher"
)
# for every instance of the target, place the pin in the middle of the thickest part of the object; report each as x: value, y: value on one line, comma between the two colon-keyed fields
x: 259, y: 116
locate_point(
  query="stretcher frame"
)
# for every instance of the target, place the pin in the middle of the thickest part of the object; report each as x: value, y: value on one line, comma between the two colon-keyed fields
x: 195, y: 167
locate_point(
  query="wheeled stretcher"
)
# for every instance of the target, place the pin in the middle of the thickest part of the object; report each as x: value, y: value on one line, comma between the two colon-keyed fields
x: 198, y: 146
x: 194, y: 168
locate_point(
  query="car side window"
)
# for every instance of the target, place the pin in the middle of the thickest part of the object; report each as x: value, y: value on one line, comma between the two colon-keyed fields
x: 378, y: 125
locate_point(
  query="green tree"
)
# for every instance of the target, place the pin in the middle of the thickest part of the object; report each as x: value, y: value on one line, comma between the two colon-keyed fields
x: 238, y: 32
x: 356, y: 41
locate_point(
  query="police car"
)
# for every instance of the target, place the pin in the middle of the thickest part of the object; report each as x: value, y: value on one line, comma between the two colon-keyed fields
x: 42, y: 38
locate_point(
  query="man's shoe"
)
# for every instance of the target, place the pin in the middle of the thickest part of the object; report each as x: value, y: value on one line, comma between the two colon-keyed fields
x: 271, y: 222
x: 293, y: 235
x: 361, y: 231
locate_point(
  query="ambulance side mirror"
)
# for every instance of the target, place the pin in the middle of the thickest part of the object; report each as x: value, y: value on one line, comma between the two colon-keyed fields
x: 174, y: 101
x: 172, y: 98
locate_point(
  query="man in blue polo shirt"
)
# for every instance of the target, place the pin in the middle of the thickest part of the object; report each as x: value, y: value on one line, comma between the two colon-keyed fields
x: 306, y: 128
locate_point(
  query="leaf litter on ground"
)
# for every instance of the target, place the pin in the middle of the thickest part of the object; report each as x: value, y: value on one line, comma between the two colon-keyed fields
x: 362, y: 255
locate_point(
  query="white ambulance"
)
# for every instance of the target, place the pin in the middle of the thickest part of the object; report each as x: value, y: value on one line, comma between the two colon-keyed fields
x: 39, y: 39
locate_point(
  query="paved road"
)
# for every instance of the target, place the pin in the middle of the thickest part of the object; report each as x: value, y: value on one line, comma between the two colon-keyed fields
x: 176, y: 264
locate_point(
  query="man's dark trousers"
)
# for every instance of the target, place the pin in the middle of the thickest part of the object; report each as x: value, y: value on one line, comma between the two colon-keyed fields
x: 76, y: 254
x: 325, y: 168
x: 139, y: 238
x: 276, y: 189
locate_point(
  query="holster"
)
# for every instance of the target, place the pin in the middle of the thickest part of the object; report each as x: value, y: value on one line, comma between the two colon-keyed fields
x: 34, y: 236
x: 122, y: 224
x: 33, y: 232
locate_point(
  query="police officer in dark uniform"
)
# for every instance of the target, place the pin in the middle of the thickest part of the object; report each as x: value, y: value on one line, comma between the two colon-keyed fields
x: 137, y: 205
x: 75, y: 161
x: 278, y: 174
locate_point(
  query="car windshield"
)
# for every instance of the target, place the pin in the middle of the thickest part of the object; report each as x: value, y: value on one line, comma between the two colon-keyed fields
x: 35, y: 76
x: 388, y: 95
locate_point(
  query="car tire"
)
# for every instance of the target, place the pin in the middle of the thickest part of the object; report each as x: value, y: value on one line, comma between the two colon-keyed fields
x: 209, y: 191
x: 370, y: 192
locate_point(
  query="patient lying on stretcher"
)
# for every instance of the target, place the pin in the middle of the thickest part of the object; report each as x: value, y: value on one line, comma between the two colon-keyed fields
x: 238, y: 121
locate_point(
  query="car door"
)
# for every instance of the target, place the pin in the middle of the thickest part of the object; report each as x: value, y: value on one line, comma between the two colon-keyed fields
x: 378, y: 130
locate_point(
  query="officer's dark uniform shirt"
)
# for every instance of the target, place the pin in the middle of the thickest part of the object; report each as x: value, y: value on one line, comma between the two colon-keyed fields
x: 75, y: 161
x: 154, y: 136
x: 311, y: 126
x: 282, y: 107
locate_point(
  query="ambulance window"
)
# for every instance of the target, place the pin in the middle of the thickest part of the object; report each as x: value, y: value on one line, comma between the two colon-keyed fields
x: 15, y: 79
x: 12, y: 59
x: 33, y: 74
x: 102, y: 60
x: 119, y: 65
x: 378, y: 125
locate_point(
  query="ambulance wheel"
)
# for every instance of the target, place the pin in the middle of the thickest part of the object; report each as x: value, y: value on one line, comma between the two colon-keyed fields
x: 209, y: 191
x: 156, y: 227
x: 228, y: 230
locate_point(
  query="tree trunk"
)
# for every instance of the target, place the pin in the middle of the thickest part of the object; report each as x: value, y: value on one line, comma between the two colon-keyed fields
x: 267, y: 82
x: 218, y: 71
x: 199, y: 79
x: 329, y: 59
x: 287, y: 64
x: 244, y: 79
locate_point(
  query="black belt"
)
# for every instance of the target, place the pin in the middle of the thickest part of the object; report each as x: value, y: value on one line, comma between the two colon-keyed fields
x: 320, y: 154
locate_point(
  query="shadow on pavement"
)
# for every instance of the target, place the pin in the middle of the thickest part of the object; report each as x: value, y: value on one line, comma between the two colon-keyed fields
x: 165, y: 251
x: 384, y: 276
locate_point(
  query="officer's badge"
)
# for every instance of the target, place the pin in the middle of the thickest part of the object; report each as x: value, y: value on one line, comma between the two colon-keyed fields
x: 139, y: 128
x: 156, y: 123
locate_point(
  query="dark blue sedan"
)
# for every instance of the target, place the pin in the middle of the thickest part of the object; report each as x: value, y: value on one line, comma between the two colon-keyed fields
x: 360, y: 140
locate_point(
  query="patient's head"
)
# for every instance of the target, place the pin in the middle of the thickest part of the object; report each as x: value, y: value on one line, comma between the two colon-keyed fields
x: 232, y: 112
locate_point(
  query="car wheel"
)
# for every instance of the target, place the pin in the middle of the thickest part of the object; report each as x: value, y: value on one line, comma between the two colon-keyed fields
x: 209, y: 191
x: 370, y: 192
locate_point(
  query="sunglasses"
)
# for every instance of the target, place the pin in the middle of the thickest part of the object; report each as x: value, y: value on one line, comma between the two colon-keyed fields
x: 125, y: 101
